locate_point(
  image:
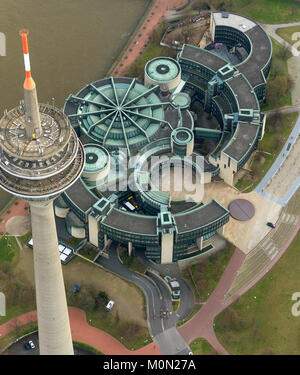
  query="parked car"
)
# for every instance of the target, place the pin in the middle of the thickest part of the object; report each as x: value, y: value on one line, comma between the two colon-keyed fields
x: 174, y: 285
x: 29, y: 345
x: 110, y: 305
x: 269, y: 224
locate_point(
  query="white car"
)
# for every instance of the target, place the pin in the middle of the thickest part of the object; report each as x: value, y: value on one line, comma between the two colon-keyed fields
x: 110, y: 305
x: 29, y: 345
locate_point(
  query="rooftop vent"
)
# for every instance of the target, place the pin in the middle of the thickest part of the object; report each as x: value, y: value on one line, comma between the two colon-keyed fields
x: 225, y: 15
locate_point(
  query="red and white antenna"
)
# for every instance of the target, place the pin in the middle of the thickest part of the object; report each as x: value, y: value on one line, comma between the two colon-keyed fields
x: 33, y: 122
x: 29, y: 83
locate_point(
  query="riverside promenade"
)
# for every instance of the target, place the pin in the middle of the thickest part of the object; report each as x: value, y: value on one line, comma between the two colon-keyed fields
x: 153, y: 18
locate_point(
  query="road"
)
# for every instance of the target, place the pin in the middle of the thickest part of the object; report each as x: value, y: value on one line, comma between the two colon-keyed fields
x: 161, y: 318
x: 18, y: 347
x: 271, y: 30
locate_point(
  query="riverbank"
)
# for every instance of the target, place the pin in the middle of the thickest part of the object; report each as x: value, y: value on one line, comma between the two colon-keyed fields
x: 139, y: 39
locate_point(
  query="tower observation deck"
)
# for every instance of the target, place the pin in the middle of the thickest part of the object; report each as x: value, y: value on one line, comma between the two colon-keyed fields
x: 40, y: 157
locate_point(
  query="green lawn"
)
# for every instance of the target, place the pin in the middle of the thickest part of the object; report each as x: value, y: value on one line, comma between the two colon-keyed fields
x: 266, y: 11
x: 5, y: 198
x: 195, y: 310
x: 205, y: 275
x: 19, y: 295
x: 273, y: 141
x: 8, y: 249
x: 279, y: 71
x: 126, y: 320
x: 153, y: 49
x: 261, y: 322
x: 287, y: 32
x: 202, y: 347
x: 87, y: 347
x: 88, y: 252
x: 24, y: 239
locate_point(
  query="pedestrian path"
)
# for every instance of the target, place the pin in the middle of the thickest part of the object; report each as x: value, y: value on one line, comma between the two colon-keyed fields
x: 155, y: 16
x: 14, y: 210
x: 279, y: 163
x: 264, y: 253
x: 84, y: 333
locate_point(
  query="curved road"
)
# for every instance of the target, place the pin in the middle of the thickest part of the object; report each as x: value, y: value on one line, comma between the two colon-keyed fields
x: 162, y: 321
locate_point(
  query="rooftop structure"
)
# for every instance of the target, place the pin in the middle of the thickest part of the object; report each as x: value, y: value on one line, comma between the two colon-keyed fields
x: 163, y: 71
x: 157, y: 121
x: 116, y: 112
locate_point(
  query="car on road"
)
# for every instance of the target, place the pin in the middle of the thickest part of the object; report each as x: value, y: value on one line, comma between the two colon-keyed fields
x: 269, y: 224
x: 174, y: 285
x: 29, y: 345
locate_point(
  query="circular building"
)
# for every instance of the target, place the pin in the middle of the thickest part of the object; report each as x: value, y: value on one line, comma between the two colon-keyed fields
x: 97, y: 163
x: 182, y: 141
x: 163, y: 71
x: 181, y: 100
x: 116, y: 112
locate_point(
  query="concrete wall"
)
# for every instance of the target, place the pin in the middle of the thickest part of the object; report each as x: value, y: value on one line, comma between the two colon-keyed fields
x: 170, y: 86
x: 61, y: 212
x: 227, y: 172
x: 98, y: 176
x: 78, y: 232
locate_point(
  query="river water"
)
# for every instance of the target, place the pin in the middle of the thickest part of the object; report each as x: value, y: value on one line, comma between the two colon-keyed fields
x: 71, y: 43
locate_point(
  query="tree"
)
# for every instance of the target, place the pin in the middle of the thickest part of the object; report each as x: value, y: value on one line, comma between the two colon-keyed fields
x: 276, y: 88
x: 15, y: 325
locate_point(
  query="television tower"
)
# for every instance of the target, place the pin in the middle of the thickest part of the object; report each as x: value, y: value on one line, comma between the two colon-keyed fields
x: 41, y: 156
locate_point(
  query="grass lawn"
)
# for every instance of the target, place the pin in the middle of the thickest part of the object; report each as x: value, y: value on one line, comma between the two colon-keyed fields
x: 88, y: 252
x: 279, y: 67
x: 272, y: 143
x: 267, y: 11
x: 195, y: 310
x: 175, y: 305
x: 8, y: 249
x: 128, y: 317
x: 260, y: 321
x: 24, y: 239
x: 126, y: 320
x: 13, y: 284
x: 87, y: 347
x: 205, y: 275
x: 153, y: 49
x: 202, y: 347
x: 287, y: 32
x: 5, y: 198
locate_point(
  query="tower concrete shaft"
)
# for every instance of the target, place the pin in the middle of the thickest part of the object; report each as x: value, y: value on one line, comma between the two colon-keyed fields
x: 33, y: 121
x: 52, y: 310
x: 40, y: 158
